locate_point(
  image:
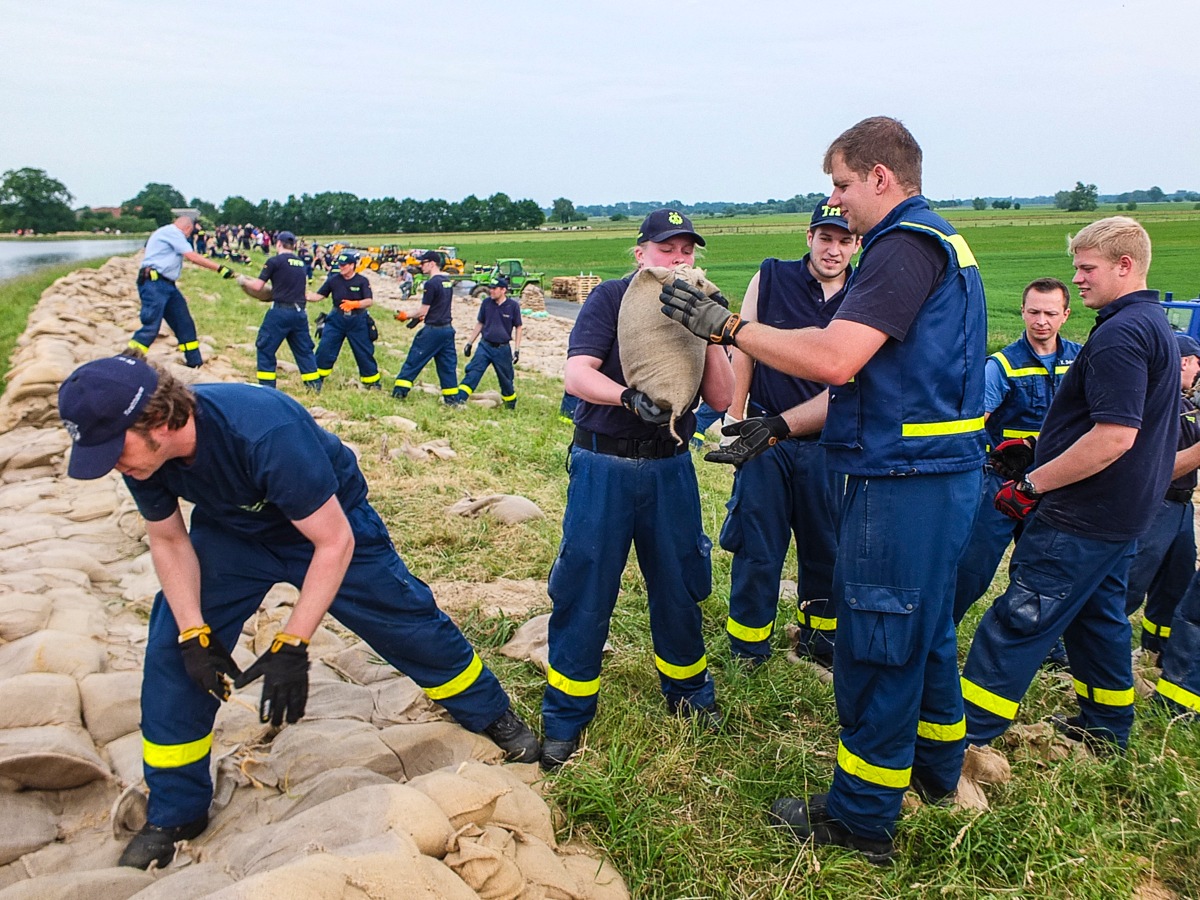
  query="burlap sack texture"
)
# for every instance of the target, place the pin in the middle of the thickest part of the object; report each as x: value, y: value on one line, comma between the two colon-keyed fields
x: 659, y: 356
x: 354, y: 801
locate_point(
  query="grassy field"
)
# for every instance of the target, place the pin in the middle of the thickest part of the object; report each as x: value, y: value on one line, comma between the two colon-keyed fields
x: 682, y: 813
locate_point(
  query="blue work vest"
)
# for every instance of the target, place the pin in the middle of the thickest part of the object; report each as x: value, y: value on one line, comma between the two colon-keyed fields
x: 1031, y: 387
x: 916, y: 407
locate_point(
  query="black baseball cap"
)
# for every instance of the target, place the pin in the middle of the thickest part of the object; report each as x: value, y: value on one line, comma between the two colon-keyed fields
x: 430, y: 256
x: 825, y: 214
x: 285, y: 237
x: 1188, y: 345
x: 98, y: 403
x: 346, y: 259
x: 499, y: 281
x: 664, y: 224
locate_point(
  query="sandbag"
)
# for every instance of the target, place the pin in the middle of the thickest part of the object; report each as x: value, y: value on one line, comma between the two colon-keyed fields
x: 360, y: 664
x: 659, y: 356
x: 597, y: 879
x: 425, y: 746
x: 541, y: 866
x: 117, y: 883
x: 338, y: 700
x: 518, y: 807
x: 49, y: 757
x: 124, y: 756
x: 485, y: 859
x: 306, y: 749
x: 51, y: 651
x: 111, y: 704
x: 39, y: 698
x: 401, y: 700
x: 511, y: 509
x: 329, y: 786
x: 29, y: 823
x: 189, y: 882
x: 462, y: 800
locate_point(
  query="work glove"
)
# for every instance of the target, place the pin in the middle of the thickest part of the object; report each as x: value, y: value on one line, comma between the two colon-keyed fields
x: 643, y: 407
x: 412, y: 323
x: 1017, y: 499
x: 284, y: 671
x: 702, y: 316
x: 516, y: 356
x: 349, y: 305
x: 226, y: 272
x: 467, y: 349
x: 753, y: 437
x: 207, y: 662
x: 401, y: 316
x: 1011, y: 458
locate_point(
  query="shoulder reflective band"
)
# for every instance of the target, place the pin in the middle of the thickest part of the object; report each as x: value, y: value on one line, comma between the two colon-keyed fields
x: 966, y: 259
x: 458, y: 683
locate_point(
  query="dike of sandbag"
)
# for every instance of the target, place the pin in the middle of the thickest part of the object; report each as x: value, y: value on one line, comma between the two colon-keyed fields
x: 374, y: 794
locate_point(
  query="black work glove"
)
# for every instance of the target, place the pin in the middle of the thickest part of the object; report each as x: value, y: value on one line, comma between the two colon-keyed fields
x: 1017, y: 499
x: 226, y: 272
x: 702, y: 316
x: 516, y: 356
x: 753, y: 437
x: 284, y: 670
x: 643, y: 407
x: 207, y: 662
x: 467, y: 350
x: 718, y: 297
x: 412, y: 323
x: 1012, y: 458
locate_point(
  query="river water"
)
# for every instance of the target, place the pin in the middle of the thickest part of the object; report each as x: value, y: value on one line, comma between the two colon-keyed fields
x: 23, y: 257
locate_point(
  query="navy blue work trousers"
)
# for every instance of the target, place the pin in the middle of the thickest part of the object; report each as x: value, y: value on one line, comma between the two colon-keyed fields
x: 162, y: 300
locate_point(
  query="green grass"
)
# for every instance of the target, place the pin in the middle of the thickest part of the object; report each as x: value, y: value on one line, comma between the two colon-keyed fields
x: 681, y: 813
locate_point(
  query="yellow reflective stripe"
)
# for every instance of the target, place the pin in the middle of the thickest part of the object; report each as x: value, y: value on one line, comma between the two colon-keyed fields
x: 458, y: 683
x: 172, y: 756
x: 567, y: 420
x: 466, y: 390
x: 1182, y: 696
x: 985, y: 699
x: 966, y: 259
x: 746, y: 633
x: 1062, y: 369
x: 189, y: 345
x: 569, y: 686
x: 1162, y: 631
x: 933, y: 731
x: 136, y: 346
x: 508, y: 398
x: 402, y: 383
x: 325, y: 373
x: 311, y: 376
x: 936, y: 429
x: 1028, y: 372
x: 856, y: 765
x: 1018, y: 433
x: 679, y: 673
x: 697, y: 435
x: 369, y: 379
x: 1104, y: 696
x: 266, y: 376
x: 816, y: 623
x: 450, y: 392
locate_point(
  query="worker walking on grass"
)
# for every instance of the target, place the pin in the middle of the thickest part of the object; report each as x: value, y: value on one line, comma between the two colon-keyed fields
x: 631, y: 482
x: 277, y: 500
x: 348, y: 320
x: 783, y: 487
x: 287, y: 319
x: 904, y: 356
x: 499, y: 324
x: 436, y: 340
x: 1101, y: 468
x: 166, y: 249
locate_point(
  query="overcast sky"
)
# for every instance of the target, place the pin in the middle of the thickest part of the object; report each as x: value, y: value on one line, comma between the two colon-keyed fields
x: 595, y: 101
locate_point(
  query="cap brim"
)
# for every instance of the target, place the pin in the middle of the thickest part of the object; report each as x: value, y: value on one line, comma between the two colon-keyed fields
x: 835, y: 222
x: 667, y: 235
x: 89, y: 463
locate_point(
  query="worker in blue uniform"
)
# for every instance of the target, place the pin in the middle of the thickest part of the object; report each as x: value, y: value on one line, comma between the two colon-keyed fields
x: 436, y: 340
x: 1101, y: 468
x: 1020, y: 383
x: 287, y: 319
x: 277, y: 500
x: 499, y: 326
x: 1178, y: 688
x: 904, y: 358
x: 786, y: 489
x: 348, y: 320
x: 631, y: 482
x: 1166, y: 552
x: 166, y: 249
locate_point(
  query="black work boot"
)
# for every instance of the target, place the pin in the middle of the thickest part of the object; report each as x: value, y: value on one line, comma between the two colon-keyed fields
x: 515, y: 738
x: 1100, y: 742
x: 157, y: 845
x: 556, y: 753
x: 709, y: 718
x: 809, y: 819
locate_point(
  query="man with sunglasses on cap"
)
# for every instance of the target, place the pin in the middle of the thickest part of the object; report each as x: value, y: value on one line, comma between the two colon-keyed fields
x: 166, y: 249
x: 348, y: 320
x: 277, y: 500
x: 499, y: 322
x: 436, y: 340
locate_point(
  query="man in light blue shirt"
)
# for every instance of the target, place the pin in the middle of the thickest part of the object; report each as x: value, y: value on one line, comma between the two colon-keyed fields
x: 166, y: 250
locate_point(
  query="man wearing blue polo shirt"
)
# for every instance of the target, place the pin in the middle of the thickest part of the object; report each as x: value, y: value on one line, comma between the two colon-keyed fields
x: 500, y: 325
x: 436, y: 340
x: 162, y: 265
x: 1102, y: 466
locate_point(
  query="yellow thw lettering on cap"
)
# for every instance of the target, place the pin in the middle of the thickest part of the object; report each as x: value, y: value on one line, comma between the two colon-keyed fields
x: 832, y: 210
x: 675, y: 218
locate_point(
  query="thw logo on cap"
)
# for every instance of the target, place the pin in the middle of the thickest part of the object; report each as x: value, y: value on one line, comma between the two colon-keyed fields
x: 827, y: 210
x: 674, y: 218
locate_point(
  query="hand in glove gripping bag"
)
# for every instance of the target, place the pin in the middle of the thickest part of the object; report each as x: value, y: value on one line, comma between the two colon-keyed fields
x: 643, y: 407
x: 1012, y: 458
x: 753, y: 437
x: 207, y: 662
x: 706, y: 317
x: 226, y: 272
x: 284, y: 670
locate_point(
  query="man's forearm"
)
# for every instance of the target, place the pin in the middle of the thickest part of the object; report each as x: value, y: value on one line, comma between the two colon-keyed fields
x: 321, y: 584
x: 1095, y: 451
x: 808, y: 417
x: 178, y: 571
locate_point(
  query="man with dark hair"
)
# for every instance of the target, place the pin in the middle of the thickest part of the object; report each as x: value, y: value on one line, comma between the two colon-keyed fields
x: 436, y: 340
x: 499, y: 323
x: 348, y: 320
x: 277, y: 500
x: 1020, y: 382
x: 904, y: 358
x: 166, y: 249
x: 287, y: 318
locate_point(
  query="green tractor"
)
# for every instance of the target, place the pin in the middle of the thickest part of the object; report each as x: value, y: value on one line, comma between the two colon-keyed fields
x: 527, y: 285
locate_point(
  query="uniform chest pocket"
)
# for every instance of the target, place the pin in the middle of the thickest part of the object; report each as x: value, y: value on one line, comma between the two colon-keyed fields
x: 877, y: 623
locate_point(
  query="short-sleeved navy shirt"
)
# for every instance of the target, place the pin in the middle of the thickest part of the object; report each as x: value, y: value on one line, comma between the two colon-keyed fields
x: 595, y: 335
x: 1189, y: 434
x: 356, y: 287
x: 499, y: 319
x: 438, y: 292
x: 289, y: 280
x: 1126, y: 374
x: 261, y: 463
x: 902, y: 270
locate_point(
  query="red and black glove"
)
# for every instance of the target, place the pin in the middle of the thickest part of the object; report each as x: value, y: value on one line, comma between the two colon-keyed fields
x: 1017, y: 499
x: 1012, y: 458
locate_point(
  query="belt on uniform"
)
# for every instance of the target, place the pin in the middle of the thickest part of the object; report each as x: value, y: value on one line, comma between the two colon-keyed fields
x: 429, y: 324
x: 298, y: 307
x: 494, y: 344
x: 1179, y: 495
x: 627, y: 448
x: 147, y: 274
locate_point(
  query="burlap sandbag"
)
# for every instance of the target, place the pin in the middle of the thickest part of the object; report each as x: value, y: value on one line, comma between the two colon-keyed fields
x: 118, y: 883
x: 511, y: 509
x: 39, y: 698
x: 425, y: 746
x: 331, y: 785
x: 28, y: 823
x: 192, y: 881
x: 51, y: 651
x: 309, y: 748
x: 486, y: 860
x: 518, y: 807
x: 462, y: 800
x: 401, y: 700
x: 111, y: 704
x: 659, y: 356
x: 541, y: 866
x: 49, y: 757
x: 360, y: 664
x: 596, y: 878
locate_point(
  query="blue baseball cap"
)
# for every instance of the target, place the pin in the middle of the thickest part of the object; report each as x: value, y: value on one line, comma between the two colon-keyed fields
x: 98, y: 403
x: 498, y: 282
x: 1188, y: 346
x: 664, y: 224
x: 430, y: 256
x: 285, y: 237
x: 825, y: 214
